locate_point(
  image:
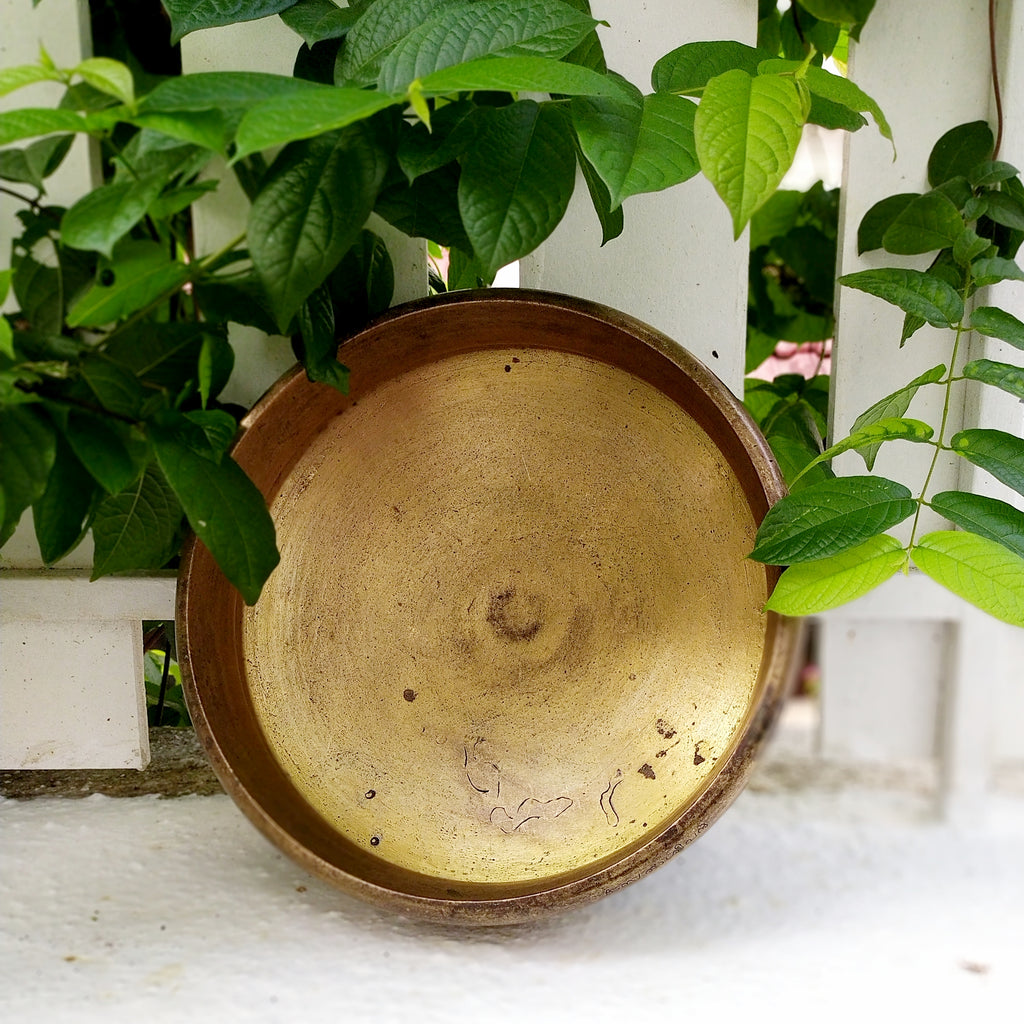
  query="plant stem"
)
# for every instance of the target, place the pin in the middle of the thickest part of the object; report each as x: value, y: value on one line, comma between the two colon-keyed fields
x: 34, y: 203
x: 939, y: 442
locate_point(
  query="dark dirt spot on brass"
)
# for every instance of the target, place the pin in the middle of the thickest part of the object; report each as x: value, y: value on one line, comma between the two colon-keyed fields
x: 697, y: 758
x: 514, y: 618
x: 370, y: 794
x: 646, y: 771
x: 664, y: 729
x: 375, y: 841
x: 409, y: 695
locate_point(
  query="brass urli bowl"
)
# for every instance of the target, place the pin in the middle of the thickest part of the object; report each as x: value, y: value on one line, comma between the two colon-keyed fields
x: 513, y: 657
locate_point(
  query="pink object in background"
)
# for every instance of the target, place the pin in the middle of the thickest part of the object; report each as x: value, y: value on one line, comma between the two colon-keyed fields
x: 809, y: 360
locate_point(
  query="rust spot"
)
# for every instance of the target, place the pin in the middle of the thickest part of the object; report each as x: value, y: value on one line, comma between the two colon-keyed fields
x: 300, y: 888
x: 664, y: 729
x: 508, y: 369
x: 409, y: 695
x: 515, y: 359
x: 646, y: 771
x: 661, y: 753
x: 697, y: 757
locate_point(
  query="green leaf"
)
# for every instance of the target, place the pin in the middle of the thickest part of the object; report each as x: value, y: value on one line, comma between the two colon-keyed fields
x: 994, y: 269
x: 928, y: 222
x: 319, y: 341
x: 512, y: 74
x: 893, y: 428
x: 843, y: 12
x: 218, y: 427
x: 165, y: 355
x: 978, y: 569
x: 139, y: 274
x: 997, y: 323
x: 452, y: 130
x: 914, y: 291
x: 6, y: 344
x: 995, y: 451
x: 462, y: 32
x: 1004, y: 376
x: 969, y: 246
x: 379, y: 29
x: 136, y: 529
x: 108, y: 76
x: 28, y: 447
x: 747, y: 130
x: 516, y: 181
x: 959, y: 151
x: 894, y: 405
x: 36, y: 162
x: 813, y: 587
x: 192, y: 15
x: 226, y: 511
x: 28, y: 122
x: 834, y: 89
x: 25, y: 74
x: 1005, y: 210
x: 115, y: 387
x: 61, y: 515
x: 102, y: 449
x: 317, y: 20
x: 986, y: 516
x: 878, y: 219
x: 240, y: 300
x: 991, y: 172
x: 612, y: 221
x: 834, y: 115
x: 102, y: 217
x: 829, y: 517
x: 298, y: 231
x: 689, y: 68
x: 319, y: 109
x: 428, y: 208
x: 362, y: 285
x: 643, y: 145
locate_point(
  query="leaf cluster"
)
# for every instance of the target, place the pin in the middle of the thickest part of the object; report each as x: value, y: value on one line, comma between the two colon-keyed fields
x: 113, y: 359
x: 832, y: 533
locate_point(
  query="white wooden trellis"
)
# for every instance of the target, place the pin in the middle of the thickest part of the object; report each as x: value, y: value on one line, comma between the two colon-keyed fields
x: 910, y: 672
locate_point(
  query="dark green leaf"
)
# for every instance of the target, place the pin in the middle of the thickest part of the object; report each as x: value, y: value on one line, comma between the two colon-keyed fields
x: 162, y: 354
x: 320, y: 342
x: 997, y: 323
x: 1004, y: 376
x: 927, y: 223
x: 844, y: 12
x: 136, y: 529
x: 451, y: 132
x: 512, y: 74
x: 894, y: 405
x: 226, y: 511
x: 830, y: 517
x: 192, y: 15
x: 992, y: 269
x: 957, y: 190
x: 516, y: 181
x: 216, y: 361
x: 240, y: 300
x: 978, y: 569
x: 969, y: 246
x: 1004, y: 209
x: 991, y: 172
x: 103, y: 449
x: 464, y: 271
x: 115, y: 388
x: 462, y: 32
x: 689, y: 68
x: 995, y: 451
x: 428, y: 208
x: 959, y: 151
x: 641, y: 145
x: 379, y: 29
x: 813, y: 587
x: 914, y: 291
x: 316, y: 20
x: 362, y: 285
x: 36, y: 162
x: 877, y: 220
x: 28, y: 447
x: 297, y: 230
x: 61, y: 515
x: 178, y: 199
x: 40, y: 293
x: 747, y: 130
x: 219, y: 427
x: 612, y: 221
x: 834, y: 115
x: 988, y: 517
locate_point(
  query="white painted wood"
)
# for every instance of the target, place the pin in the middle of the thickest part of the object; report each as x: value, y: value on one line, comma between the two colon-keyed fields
x: 960, y: 664
x: 675, y: 266
x: 71, y: 668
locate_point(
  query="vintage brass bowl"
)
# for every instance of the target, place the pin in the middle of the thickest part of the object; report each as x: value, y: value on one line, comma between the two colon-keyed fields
x: 513, y: 657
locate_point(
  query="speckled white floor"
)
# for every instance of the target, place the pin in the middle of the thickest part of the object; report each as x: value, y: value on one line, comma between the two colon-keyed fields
x: 796, y: 906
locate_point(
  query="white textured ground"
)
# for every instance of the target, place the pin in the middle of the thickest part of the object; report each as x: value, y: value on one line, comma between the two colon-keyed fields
x: 798, y: 905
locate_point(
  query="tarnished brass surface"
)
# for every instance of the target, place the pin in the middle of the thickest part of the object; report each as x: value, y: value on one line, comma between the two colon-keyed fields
x: 513, y: 656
